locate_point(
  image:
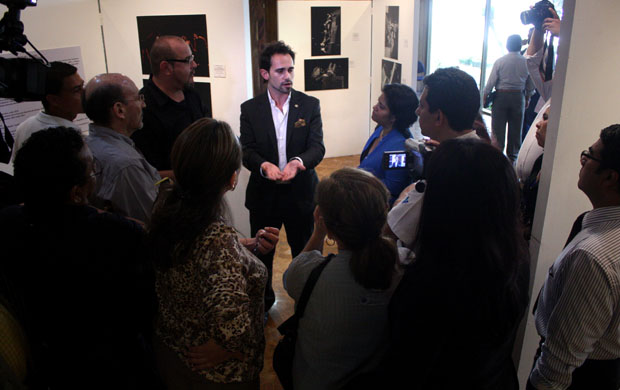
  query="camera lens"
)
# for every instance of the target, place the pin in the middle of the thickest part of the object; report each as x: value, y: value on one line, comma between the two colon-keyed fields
x: 526, y: 17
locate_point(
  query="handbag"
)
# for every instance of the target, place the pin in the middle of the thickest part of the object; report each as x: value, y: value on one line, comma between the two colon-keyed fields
x: 285, y: 350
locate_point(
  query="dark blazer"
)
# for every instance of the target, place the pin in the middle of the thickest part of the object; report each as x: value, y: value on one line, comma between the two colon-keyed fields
x: 304, y: 139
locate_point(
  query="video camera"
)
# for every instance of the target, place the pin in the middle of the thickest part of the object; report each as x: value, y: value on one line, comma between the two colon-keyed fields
x: 411, y: 159
x: 20, y: 78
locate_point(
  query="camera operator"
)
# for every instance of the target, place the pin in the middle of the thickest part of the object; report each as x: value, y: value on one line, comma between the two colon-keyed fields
x: 448, y: 107
x: 62, y: 102
x: 539, y: 56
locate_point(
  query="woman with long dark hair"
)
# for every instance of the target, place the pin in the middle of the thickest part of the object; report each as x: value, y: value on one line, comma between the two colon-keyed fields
x: 394, y: 113
x: 343, y: 332
x: 210, y: 286
x: 456, y: 311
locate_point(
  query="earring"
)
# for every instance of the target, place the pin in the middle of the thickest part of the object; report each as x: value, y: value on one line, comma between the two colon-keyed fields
x: 327, y: 241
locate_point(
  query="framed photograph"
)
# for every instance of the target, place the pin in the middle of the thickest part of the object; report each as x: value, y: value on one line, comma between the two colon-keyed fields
x: 390, y: 72
x: 326, y: 28
x: 192, y: 28
x: 391, y: 32
x: 332, y: 73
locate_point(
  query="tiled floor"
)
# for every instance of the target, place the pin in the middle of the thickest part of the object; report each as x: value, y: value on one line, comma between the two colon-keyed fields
x: 283, y: 308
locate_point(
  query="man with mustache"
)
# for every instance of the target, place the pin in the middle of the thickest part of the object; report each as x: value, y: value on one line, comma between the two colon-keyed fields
x: 282, y: 140
x: 171, y: 102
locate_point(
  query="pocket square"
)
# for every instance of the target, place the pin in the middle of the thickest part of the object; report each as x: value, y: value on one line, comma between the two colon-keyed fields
x: 301, y: 122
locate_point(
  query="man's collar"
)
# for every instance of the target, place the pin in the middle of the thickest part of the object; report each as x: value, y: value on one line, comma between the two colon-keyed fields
x: 272, y: 102
x: 600, y: 215
x: 160, y: 96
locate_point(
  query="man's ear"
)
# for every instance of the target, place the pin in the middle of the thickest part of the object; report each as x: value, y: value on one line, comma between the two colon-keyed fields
x: 265, y: 74
x: 612, y: 178
x: 53, y: 100
x: 440, y: 118
x: 118, y: 110
x: 164, y: 67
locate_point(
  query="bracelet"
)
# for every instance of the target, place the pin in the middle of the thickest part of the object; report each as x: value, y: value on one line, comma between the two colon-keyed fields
x: 255, y: 249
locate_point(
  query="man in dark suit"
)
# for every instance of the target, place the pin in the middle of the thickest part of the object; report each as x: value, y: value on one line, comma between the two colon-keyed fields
x: 282, y: 140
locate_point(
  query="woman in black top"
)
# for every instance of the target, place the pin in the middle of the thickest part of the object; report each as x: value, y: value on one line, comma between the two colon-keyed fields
x: 455, y: 313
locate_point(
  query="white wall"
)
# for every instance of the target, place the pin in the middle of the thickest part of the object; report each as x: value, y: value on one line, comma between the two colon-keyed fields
x: 344, y: 112
x: 227, y: 32
x: 585, y: 100
x: 407, y: 45
x: 65, y: 23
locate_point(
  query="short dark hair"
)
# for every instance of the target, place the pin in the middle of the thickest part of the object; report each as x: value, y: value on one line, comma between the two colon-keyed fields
x: 456, y: 94
x: 161, y: 51
x: 57, y: 150
x: 54, y: 78
x: 402, y: 103
x: 278, y: 47
x: 98, y: 104
x: 610, y: 155
x: 513, y: 43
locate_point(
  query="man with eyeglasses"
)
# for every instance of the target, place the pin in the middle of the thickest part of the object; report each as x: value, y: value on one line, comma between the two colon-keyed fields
x: 172, y: 103
x: 127, y: 183
x: 578, y: 310
x: 61, y: 104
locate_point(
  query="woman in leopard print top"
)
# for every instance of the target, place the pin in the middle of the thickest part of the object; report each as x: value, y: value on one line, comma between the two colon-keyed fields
x: 209, y: 331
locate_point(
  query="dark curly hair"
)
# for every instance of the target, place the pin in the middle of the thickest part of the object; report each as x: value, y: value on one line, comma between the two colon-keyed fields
x: 610, y: 155
x: 278, y: 47
x: 48, y: 165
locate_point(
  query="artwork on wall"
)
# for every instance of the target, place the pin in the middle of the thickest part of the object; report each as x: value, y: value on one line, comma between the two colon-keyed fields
x: 332, y: 73
x: 192, y: 28
x: 326, y: 28
x: 204, y: 90
x: 390, y: 72
x: 391, y: 32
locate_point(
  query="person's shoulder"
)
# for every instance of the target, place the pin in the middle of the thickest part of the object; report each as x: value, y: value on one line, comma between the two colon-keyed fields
x: 254, y: 101
x: 300, y: 96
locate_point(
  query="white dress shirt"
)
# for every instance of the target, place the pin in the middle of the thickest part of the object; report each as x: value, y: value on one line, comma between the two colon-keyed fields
x: 280, y: 121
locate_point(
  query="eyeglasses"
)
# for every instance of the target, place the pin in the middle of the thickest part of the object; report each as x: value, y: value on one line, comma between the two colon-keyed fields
x: 587, y: 154
x: 187, y: 60
x: 140, y: 97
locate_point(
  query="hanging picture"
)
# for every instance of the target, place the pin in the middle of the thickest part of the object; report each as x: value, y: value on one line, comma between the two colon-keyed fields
x: 326, y: 28
x: 391, y: 32
x: 324, y: 74
x: 192, y: 28
x: 204, y: 90
x: 390, y: 72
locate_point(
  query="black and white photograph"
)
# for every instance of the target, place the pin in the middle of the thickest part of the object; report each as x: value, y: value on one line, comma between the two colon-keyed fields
x: 324, y: 74
x: 192, y: 28
x: 326, y: 28
x: 391, y: 32
x: 390, y: 72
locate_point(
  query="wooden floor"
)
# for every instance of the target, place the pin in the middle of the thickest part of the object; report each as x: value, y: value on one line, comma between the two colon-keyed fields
x: 283, y: 308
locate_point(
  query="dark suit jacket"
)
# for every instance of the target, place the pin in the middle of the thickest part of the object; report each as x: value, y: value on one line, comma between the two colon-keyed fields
x: 304, y: 139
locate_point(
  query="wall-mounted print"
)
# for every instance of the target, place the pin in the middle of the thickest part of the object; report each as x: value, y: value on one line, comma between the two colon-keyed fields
x: 324, y: 74
x: 391, y: 32
x: 192, y: 28
x: 326, y: 28
x: 204, y: 90
x: 390, y: 72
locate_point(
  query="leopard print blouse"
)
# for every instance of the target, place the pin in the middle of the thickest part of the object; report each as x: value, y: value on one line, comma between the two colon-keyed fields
x: 216, y: 294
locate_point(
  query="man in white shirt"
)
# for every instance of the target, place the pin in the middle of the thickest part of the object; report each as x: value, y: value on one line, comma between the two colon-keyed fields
x: 282, y: 140
x: 61, y: 104
x: 448, y: 106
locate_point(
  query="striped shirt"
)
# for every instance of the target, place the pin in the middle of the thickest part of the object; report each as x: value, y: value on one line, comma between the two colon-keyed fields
x: 578, y: 311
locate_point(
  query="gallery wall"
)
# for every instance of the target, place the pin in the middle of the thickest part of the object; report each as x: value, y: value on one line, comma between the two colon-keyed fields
x: 404, y: 50
x: 344, y: 112
x: 69, y: 23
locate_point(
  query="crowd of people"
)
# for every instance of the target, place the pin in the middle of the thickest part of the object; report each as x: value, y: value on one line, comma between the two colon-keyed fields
x: 122, y: 265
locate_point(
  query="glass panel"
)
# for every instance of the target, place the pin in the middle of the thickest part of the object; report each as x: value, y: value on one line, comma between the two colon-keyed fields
x: 505, y: 21
x: 457, y: 33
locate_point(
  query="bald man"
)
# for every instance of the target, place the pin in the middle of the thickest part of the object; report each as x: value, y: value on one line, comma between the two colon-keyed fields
x: 126, y: 182
x: 172, y: 104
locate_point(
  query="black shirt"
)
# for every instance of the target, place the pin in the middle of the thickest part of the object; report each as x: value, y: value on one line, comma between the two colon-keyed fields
x: 164, y: 119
